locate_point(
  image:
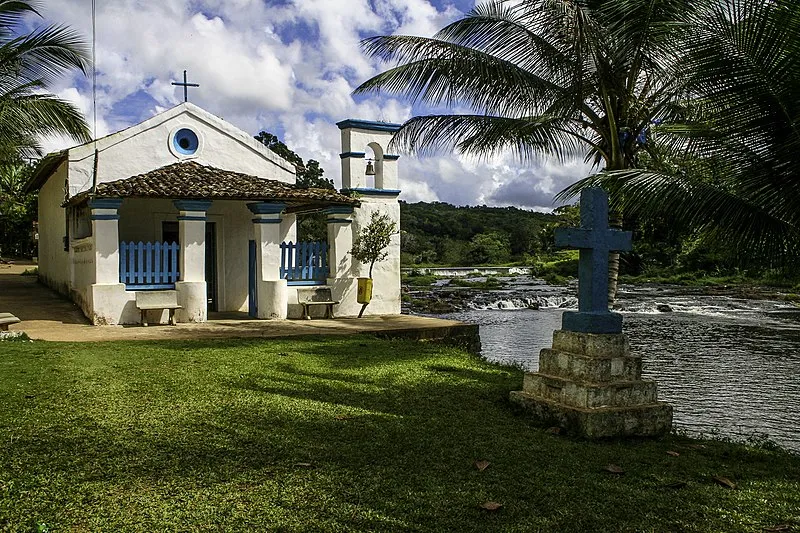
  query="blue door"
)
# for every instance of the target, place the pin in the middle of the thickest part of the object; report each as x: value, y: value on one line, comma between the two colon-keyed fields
x: 252, y: 297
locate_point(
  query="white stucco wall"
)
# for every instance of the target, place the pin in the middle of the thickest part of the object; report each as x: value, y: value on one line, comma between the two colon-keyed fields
x: 386, y: 273
x: 145, y: 147
x: 83, y: 272
x: 54, y: 264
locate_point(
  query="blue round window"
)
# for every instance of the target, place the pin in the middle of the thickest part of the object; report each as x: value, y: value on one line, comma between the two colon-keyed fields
x: 185, y: 141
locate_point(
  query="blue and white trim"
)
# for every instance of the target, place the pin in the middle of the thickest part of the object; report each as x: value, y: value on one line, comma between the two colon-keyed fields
x: 369, y: 125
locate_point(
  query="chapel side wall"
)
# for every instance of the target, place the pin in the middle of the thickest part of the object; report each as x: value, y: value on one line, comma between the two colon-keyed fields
x: 149, y: 149
x: 54, y: 263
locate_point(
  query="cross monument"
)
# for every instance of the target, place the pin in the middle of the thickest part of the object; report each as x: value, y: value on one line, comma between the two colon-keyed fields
x: 595, y: 240
x: 185, y: 86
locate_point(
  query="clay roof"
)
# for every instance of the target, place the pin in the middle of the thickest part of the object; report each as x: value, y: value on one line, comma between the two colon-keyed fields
x: 193, y: 181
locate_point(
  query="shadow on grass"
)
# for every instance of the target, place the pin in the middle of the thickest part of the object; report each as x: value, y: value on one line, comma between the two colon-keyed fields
x: 240, y: 436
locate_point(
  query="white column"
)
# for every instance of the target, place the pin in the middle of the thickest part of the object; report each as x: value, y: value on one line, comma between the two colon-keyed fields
x: 269, y: 233
x: 108, y: 302
x: 342, y: 279
x: 192, y: 291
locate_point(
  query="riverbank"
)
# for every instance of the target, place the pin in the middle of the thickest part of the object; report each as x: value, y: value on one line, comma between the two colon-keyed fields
x: 335, y: 434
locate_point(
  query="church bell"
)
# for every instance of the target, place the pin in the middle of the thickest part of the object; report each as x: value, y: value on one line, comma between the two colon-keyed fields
x: 370, y: 168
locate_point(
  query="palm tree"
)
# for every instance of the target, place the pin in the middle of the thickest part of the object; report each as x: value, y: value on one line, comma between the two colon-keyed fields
x: 543, y: 77
x: 29, y: 64
x: 744, y: 57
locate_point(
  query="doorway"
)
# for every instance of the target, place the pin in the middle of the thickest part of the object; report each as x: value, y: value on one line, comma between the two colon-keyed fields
x: 170, y: 233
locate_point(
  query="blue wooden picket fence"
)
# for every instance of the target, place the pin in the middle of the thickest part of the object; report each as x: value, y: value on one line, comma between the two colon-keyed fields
x: 304, y: 263
x: 148, y: 265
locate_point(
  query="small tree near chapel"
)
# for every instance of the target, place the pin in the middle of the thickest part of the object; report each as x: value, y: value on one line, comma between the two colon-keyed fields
x: 370, y: 246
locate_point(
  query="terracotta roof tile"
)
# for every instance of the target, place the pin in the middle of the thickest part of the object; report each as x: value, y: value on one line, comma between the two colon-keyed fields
x: 190, y: 180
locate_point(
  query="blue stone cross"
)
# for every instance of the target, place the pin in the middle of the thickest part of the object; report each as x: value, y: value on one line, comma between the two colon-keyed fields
x: 595, y: 240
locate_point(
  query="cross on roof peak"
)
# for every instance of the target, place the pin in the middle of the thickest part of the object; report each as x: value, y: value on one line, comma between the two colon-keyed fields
x: 595, y: 240
x: 185, y: 86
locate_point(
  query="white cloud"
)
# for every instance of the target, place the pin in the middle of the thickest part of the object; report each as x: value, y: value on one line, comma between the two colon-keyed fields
x: 289, y: 68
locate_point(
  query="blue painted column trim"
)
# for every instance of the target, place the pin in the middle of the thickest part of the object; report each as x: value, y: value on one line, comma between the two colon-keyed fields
x: 359, y: 155
x: 391, y: 157
x: 266, y: 208
x: 373, y: 191
x: 193, y: 218
x: 369, y: 125
x: 338, y: 210
x: 105, y: 203
x: 104, y: 217
x: 267, y: 221
x: 338, y: 221
x: 192, y: 205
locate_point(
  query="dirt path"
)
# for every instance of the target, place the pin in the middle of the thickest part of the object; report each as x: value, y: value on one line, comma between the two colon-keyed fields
x: 46, y: 315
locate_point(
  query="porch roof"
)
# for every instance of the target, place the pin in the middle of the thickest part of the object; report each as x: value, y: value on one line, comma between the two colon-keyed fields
x: 193, y: 181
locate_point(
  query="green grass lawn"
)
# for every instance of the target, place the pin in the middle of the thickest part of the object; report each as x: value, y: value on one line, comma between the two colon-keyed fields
x: 336, y: 434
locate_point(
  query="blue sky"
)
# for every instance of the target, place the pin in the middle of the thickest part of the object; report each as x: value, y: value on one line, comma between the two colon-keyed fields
x: 288, y: 67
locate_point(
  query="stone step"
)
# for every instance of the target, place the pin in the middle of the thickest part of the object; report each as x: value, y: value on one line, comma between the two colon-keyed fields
x: 581, y: 367
x: 591, y: 344
x: 648, y: 420
x: 590, y: 395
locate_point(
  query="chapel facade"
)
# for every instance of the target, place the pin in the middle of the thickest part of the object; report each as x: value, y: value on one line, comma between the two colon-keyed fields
x: 186, y: 202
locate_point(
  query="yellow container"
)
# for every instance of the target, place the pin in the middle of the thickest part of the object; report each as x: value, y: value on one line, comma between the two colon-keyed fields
x: 364, y: 294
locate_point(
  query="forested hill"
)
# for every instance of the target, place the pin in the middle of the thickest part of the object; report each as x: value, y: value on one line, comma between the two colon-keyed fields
x: 443, y: 234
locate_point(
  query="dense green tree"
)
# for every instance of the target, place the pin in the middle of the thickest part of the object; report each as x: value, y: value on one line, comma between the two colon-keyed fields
x: 17, y: 210
x: 542, y: 78
x: 309, y: 174
x: 29, y: 64
x: 489, y: 249
x: 732, y: 173
x: 310, y: 227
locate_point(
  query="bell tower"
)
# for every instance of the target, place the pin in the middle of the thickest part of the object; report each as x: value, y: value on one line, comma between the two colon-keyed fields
x: 379, y: 196
x: 357, y: 135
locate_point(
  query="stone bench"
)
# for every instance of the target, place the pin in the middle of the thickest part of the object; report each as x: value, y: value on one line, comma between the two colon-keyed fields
x: 316, y: 296
x: 152, y: 300
x: 6, y: 319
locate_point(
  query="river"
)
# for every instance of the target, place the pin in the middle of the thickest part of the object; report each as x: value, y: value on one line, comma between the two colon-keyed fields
x: 729, y: 366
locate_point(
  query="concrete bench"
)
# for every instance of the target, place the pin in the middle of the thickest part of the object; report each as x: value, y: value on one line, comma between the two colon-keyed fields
x: 6, y: 319
x: 150, y: 300
x: 316, y: 296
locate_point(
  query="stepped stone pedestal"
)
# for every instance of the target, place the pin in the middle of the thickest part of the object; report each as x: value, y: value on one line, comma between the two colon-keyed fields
x: 590, y: 385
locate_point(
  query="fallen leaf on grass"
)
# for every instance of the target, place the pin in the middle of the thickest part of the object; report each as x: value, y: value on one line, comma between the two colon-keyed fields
x: 725, y: 482
x: 491, y: 506
x: 676, y: 485
x: 673, y: 454
x: 343, y: 417
x: 777, y: 529
x: 697, y: 446
x: 614, y: 469
x: 482, y: 465
x: 304, y: 465
x: 555, y: 430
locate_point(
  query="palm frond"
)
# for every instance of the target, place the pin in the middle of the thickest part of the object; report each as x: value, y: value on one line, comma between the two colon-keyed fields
x: 484, y: 136
x: 439, y: 73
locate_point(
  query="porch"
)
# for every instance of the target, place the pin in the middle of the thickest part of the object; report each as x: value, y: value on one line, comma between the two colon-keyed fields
x: 234, y: 249
x: 47, y: 316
